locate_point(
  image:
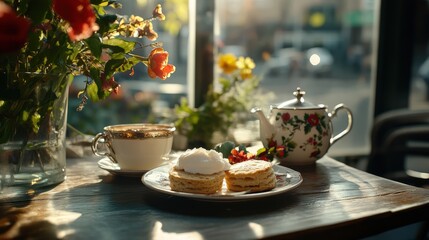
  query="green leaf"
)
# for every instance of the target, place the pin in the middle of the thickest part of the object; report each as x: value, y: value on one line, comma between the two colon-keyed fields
x: 128, y: 64
x: 307, y: 128
x: 119, y: 45
x: 48, y: 98
x: 99, y: 2
x: 94, y: 74
x: 95, y: 88
x: 260, y: 151
x: 92, y: 92
x: 105, y: 22
x: 109, y: 18
x: 112, y: 66
x: 319, y: 129
x: 323, y: 122
x: 225, y: 148
x: 25, y: 115
x: 33, y: 41
x: 241, y: 147
x: 37, y: 10
x: 306, y: 116
x: 99, y: 10
x: 22, y: 8
x: 94, y: 45
x: 226, y: 83
x: 35, y: 119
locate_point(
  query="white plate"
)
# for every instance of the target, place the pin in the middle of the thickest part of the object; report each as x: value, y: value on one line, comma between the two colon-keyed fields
x: 287, y: 179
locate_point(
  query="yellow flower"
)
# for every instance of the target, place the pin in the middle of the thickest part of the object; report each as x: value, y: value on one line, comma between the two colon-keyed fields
x: 137, y: 21
x: 246, y: 73
x: 227, y: 62
x: 245, y: 65
x: 247, y: 62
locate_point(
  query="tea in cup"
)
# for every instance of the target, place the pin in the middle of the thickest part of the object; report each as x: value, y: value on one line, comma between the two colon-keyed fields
x: 136, y: 147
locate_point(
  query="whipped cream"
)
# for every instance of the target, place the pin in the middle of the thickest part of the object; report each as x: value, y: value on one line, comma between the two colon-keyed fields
x: 202, y: 161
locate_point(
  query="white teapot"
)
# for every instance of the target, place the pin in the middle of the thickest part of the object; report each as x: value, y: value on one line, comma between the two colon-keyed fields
x: 301, y: 130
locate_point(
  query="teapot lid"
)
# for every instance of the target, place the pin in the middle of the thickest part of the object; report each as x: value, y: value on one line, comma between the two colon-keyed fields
x: 298, y: 102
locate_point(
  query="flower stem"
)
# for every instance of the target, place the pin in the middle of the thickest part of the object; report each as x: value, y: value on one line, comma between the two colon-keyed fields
x: 141, y: 58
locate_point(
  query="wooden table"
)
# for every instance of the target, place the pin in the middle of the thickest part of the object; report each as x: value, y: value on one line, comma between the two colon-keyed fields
x: 334, y: 201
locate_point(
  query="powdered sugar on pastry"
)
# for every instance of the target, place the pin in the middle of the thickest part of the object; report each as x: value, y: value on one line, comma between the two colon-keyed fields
x: 202, y: 161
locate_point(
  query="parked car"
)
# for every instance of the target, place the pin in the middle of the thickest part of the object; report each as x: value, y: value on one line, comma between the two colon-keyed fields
x: 284, y: 61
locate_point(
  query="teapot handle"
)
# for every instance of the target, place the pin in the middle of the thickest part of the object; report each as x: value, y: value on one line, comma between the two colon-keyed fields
x: 349, y: 124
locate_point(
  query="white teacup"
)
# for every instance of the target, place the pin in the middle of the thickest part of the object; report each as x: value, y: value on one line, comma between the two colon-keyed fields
x: 137, y: 147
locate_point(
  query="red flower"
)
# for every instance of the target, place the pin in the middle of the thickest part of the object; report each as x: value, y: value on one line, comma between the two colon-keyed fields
x: 13, y: 29
x: 313, y: 120
x: 239, y: 156
x: 158, y: 64
x: 311, y: 141
x: 272, y: 143
x: 109, y: 84
x: 280, y: 150
x: 79, y: 14
x: 285, y: 117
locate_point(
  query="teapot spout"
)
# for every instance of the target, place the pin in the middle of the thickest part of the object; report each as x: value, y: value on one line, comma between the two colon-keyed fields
x: 266, y: 130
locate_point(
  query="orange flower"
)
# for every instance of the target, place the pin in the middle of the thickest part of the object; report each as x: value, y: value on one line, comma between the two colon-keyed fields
x: 158, y: 66
x: 79, y: 14
x: 13, y: 29
x: 227, y: 62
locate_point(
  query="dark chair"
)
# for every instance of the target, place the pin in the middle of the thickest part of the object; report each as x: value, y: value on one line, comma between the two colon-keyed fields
x: 396, y: 135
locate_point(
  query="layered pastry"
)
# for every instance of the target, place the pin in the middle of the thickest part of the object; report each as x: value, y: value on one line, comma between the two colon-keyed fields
x: 199, y: 171
x: 251, y: 175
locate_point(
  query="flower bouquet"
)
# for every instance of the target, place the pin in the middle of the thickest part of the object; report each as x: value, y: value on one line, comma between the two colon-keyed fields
x: 43, y: 45
x: 223, y: 108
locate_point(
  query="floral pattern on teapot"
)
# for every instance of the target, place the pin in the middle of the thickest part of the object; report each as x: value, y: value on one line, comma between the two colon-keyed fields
x: 314, y: 141
x: 298, y: 131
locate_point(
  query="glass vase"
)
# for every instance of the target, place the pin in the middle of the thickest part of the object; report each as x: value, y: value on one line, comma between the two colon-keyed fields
x: 33, y: 129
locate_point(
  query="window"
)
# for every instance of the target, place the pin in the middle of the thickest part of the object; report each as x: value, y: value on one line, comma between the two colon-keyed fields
x: 328, y: 48
x: 324, y: 47
x: 141, y: 99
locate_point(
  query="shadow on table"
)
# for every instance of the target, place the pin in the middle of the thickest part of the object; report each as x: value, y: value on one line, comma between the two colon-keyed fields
x: 120, y: 206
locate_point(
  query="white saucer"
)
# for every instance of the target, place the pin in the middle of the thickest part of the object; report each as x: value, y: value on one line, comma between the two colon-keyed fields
x: 114, y: 168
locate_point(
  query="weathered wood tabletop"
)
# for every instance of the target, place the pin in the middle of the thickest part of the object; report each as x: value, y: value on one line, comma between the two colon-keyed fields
x: 334, y: 201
